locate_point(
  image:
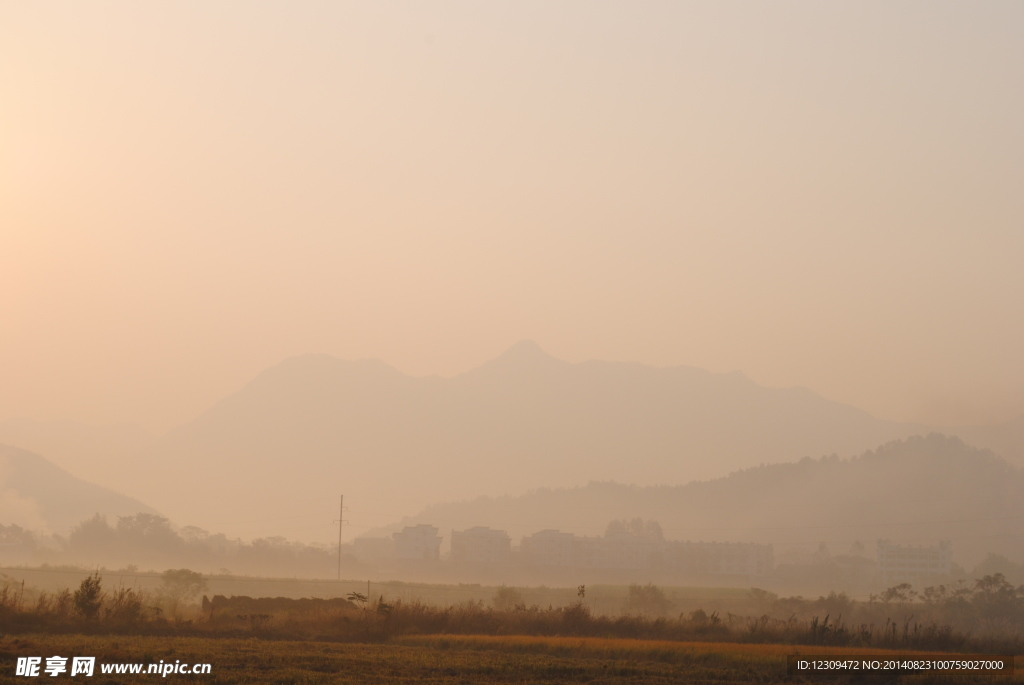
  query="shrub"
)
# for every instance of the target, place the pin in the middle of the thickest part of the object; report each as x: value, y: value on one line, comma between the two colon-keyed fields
x: 647, y: 600
x: 89, y: 596
x: 124, y: 606
x: 507, y: 599
x: 182, y: 585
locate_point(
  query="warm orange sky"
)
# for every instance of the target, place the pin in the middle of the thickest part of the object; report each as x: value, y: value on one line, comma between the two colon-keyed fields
x: 818, y: 194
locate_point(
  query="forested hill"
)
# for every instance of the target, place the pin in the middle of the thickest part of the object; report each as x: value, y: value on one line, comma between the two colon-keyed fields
x: 917, y: 490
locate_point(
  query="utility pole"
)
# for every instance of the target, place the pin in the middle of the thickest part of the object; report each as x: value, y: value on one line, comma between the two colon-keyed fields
x: 341, y: 518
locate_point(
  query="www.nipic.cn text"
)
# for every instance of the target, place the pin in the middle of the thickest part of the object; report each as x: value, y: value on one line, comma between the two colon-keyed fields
x: 33, y: 666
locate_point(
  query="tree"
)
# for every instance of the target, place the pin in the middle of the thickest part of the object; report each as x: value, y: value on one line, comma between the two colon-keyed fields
x: 508, y: 598
x: 996, y: 598
x: 358, y: 597
x: 181, y: 585
x: 152, y: 532
x: 89, y: 596
x: 902, y: 593
x: 647, y: 600
x: 93, y: 536
x: 16, y: 535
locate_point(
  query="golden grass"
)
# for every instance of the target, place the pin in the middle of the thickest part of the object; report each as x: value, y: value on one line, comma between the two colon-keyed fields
x: 694, y: 661
x: 433, y: 659
x: 768, y: 660
x: 631, y: 645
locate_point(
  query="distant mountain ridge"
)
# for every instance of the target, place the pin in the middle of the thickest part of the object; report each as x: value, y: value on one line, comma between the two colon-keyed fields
x: 40, y: 496
x: 915, y: 491
x: 100, y: 453
x: 313, y: 427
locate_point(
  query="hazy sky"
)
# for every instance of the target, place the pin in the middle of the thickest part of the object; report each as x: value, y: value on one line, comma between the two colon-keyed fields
x: 817, y: 193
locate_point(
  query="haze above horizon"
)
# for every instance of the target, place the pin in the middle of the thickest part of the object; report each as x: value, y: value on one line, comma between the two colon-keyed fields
x: 817, y: 195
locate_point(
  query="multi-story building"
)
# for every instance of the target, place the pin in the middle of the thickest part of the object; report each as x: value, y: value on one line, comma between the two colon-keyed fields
x: 481, y: 546
x: 719, y: 558
x: 587, y: 552
x: 910, y: 563
x: 548, y: 548
x: 629, y: 551
x: 417, y: 543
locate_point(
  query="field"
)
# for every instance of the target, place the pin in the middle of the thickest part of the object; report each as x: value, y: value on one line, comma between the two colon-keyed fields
x: 603, y: 599
x: 409, y: 633
x: 435, y: 659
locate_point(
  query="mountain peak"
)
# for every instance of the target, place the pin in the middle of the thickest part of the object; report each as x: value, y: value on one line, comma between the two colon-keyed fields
x: 523, y: 353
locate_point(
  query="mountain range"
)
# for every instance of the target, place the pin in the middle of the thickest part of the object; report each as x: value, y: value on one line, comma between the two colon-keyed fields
x: 273, y: 457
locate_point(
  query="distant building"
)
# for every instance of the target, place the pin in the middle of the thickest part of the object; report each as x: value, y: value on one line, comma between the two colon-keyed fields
x: 481, y: 546
x: 910, y: 563
x: 630, y: 551
x: 548, y: 548
x: 588, y: 552
x: 719, y: 558
x: 853, y: 568
x: 418, y: 543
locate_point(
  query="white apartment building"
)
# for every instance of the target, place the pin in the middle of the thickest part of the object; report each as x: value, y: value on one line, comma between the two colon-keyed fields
x: 913, y: 563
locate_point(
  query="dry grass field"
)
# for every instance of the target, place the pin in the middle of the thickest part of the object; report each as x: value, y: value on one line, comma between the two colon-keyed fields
x: 463, y: 659
x: 372, y: 640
